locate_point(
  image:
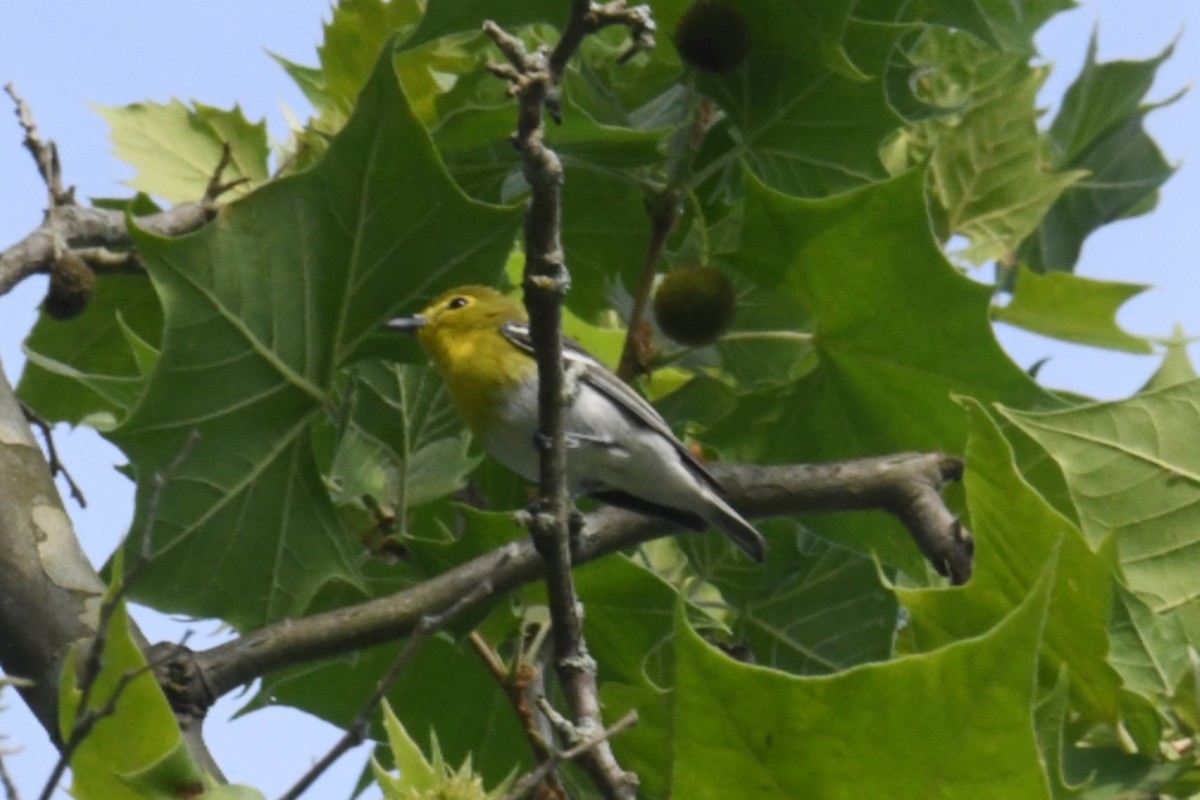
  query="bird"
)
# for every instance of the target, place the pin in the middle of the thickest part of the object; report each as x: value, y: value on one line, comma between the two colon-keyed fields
x: 619, y: 448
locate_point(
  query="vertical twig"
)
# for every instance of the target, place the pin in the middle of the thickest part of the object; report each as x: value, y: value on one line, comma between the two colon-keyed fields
x: 536, y: 83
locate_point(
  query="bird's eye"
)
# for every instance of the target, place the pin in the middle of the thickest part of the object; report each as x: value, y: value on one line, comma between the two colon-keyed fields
x: 457, y: 302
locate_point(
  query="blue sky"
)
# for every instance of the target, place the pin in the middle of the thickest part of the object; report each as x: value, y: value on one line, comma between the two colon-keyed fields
x: 63, y: 57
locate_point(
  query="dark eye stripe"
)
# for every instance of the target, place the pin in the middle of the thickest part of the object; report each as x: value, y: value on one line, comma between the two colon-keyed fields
x: 457, y: 302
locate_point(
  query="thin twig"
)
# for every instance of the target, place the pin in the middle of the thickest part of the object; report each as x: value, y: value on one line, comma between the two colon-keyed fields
x: 536, y: 775
x: 663, y: 215
x: 357, y: 731
x: 45, y: 154
x: 160, y: 480
x: 216, y: 187
x: 55, y: 463
x: 535, y: 79
x: 10, y: 788
x: 517, y: 684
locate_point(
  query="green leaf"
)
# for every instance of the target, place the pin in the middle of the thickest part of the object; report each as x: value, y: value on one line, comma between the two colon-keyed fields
x: 1148, y: 649
x: 1007, y: 25
x: 896, y: 329
x: 1176, y: 367
x: 1104, y: 97
x: 87, y: 370
x: 744, y: 731
x: 1133, y: 468
x: 139, y: 738
x: 1051, y: 715
x: 405, y: 445
x: 233, y: 791
x: 988, y: 171
x: 606, y: 231
x: 354, y: 39
x: 174, y: 775
x: 1100, y: 129
x: 814, y: 608
x: 1072, y: 308
x: 444, y: 17
x: 415, y: 770
x: 810, y: 31
x: 629, y: 620
x: 262, y: 309
x: 1017, y: 531
x: 798, y: 127
x: 176, y: 149
x: 1113, y: 774
x: 644, y: 749
x: 476, y: 143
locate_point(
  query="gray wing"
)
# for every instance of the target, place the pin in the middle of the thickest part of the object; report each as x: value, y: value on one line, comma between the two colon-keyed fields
x: 635, y: 407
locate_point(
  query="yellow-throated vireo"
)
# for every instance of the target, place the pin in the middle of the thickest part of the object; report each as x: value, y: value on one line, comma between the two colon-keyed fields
x: 619, y: 450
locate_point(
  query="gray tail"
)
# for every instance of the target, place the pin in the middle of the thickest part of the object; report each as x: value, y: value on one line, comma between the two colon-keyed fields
x: 717, y: 514
x: 743, y: 534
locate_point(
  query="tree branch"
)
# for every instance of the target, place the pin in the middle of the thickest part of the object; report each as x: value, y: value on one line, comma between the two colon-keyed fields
x: 52, y: 594
x: 71, y: 227
x: 901, y: 485
x: 82, y: 227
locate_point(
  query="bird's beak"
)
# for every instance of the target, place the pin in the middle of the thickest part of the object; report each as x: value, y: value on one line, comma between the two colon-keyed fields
x: 406, y: 324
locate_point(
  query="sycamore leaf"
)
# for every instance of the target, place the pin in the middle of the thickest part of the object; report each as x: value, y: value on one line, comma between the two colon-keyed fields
x: 354, y: 38
x: 896, y: 332
x: 988, y: 172
x: 1102, y: 98
x: 92, y: 369
x: 810, y: 31
x: 814, y: 608
x: 1051, y: 716
x: 444, y: 17
x: 1007, y: 25
x: 262, y: 309
x: 1072, y: 308
x: 745, y: 731
x: 629, y: 621
x: 176, y: 149
x: 476, y: 144
x: 1148, y: 649
x: 896, y: 329
x: 140, y: 737
x: 1017, y: 531
x: 1176, y: 367
x: 1100, y: 129
x: 404, y: 444
x: 799, y: 127
x: 1133, y: 469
